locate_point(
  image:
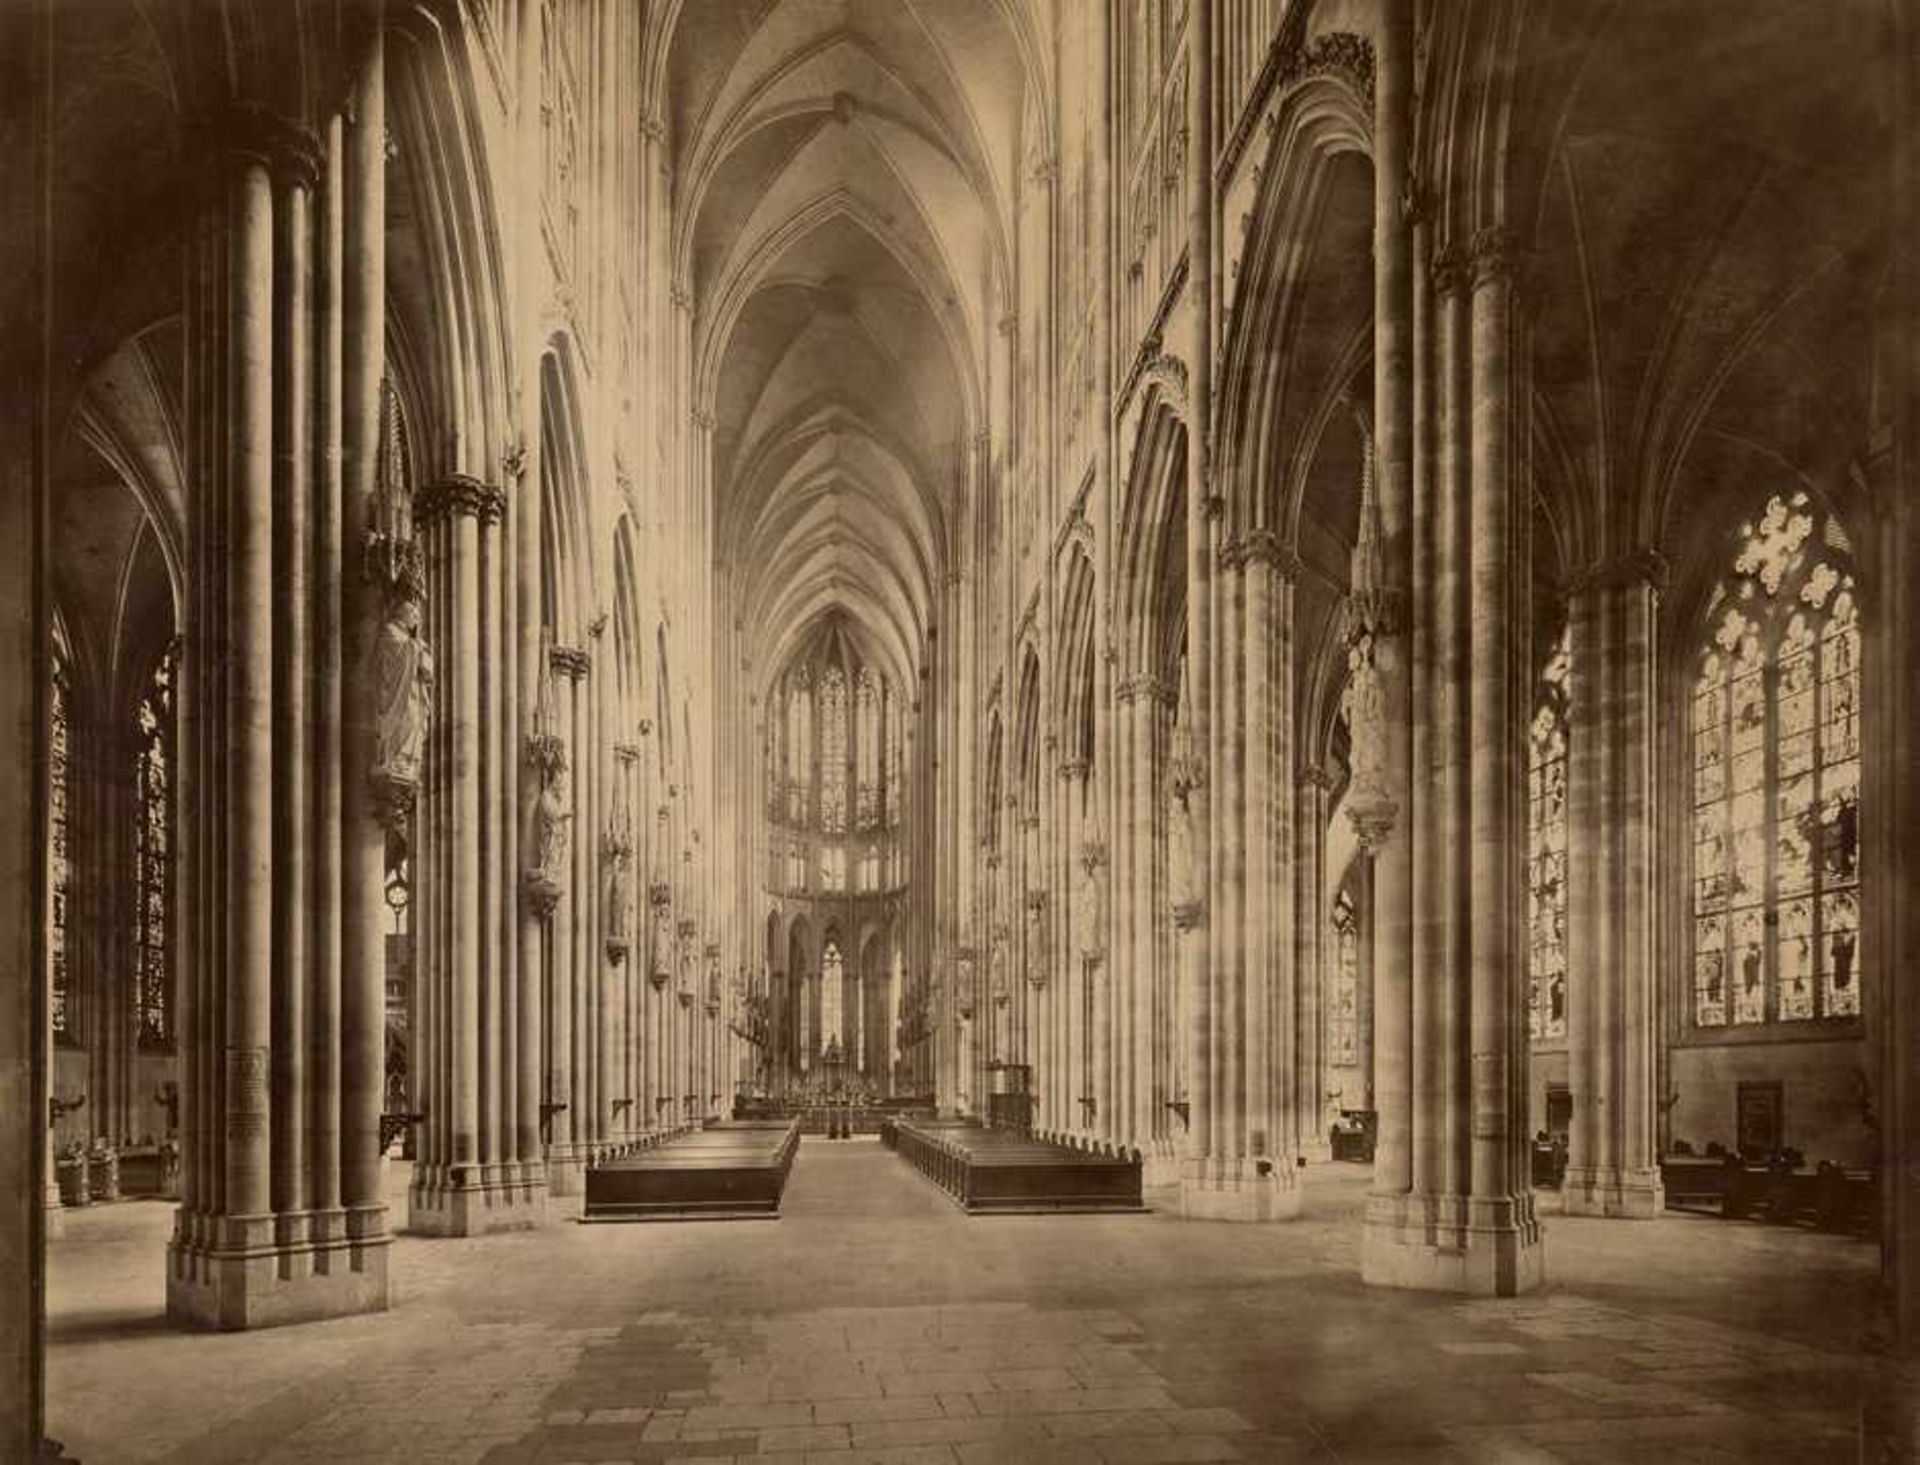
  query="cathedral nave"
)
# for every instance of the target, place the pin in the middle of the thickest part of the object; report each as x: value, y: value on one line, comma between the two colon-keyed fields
x: 1204, y: 705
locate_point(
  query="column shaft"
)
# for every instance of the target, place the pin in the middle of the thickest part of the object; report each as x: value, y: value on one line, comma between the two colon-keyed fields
x: 323, y: 1008
x: 1613, y: 1167
x: 1491, y: 740
x: 363, y: 840
x: 292, y: 430
x: 248, y: 638
x: 1196, y: 966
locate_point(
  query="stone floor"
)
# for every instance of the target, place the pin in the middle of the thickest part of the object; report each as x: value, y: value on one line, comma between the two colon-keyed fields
x: 875, y: 1322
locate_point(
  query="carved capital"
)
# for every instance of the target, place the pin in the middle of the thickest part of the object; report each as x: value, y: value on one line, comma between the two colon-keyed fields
x: 570, y: 661
x: 1073, y: 769
x: 1146, y: 686
x: 459, y: 496
x: 1449, y: 270
x: 1343, y: 53
x: 1494, y: 256
x: 1263, y: 546
x: 1373, y: 817
x: 626, y: 753
x: 246, y: 130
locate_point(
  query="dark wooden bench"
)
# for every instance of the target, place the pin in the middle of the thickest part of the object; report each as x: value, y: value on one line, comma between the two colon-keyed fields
x: 1833, y: 1197
x: 735, y: 1170
x: 999, y: 1171
x: 1695, y: 1182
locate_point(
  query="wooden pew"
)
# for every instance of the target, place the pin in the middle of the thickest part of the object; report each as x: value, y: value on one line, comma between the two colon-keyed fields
x: 999, y: 1171
x: 1695, y: 1182
x: 735, y: 1170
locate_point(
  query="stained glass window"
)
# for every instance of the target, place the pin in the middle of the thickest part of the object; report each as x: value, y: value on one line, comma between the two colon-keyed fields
x: 833, y: 751
x: 799, y: 745
x: 1776, y: 780
x: 153, y: 855
x: 832, y: 974
x: 1343, y: 1017
x: 59, y: 867
x: 1547, y: 854
x: 896, y: 785
x: 774, y: 794
x: 866, y: 711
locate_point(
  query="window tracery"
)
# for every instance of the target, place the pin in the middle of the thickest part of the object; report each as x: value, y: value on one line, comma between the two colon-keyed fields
x: 867, y: 741
x: 153, y: 855
x: 896, y: 785
x: 799, y: 744
x: 832, y: 974
x: 1343, y: 1018
x: 1547, y: 853
x: 833, y: 751
x: 59, y: 867
x: 1776, y: 780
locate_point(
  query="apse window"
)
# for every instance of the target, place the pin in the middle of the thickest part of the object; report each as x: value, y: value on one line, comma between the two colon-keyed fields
x: 1776, y: 779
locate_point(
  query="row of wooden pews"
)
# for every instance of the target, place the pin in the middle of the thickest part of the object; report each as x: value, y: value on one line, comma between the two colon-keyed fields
x: 1781, y: 1188
x: 733, y: 1170
x: 1002, y: 1171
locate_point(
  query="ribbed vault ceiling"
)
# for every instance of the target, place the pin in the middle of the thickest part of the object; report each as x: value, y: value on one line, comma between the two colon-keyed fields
x: 844, y: 182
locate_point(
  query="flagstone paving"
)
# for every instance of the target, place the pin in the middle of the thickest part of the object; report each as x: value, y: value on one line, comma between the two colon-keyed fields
x: 876, y: 1323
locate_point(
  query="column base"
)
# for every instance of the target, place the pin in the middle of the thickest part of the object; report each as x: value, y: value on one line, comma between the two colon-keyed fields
x: 1160, y: 1163
x: 1635, y: 1195
x: 235, y: 1272
x: 473, y: 1200
x: 1246, y: 1191
x: 1483, y: 1248
x: 566, y: 1170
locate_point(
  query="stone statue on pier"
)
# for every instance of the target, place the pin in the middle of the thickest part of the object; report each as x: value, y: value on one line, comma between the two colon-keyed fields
x: 660, y: 954
x: 548, y: 842
x: 404, y: 670
x: 1185, y: 873
x: 1086, y: 905
x: 618, y: 894
x: 1036, y: 937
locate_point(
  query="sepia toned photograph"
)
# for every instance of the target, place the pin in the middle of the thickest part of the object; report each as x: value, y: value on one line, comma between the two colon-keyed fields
x: 959, y: 732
